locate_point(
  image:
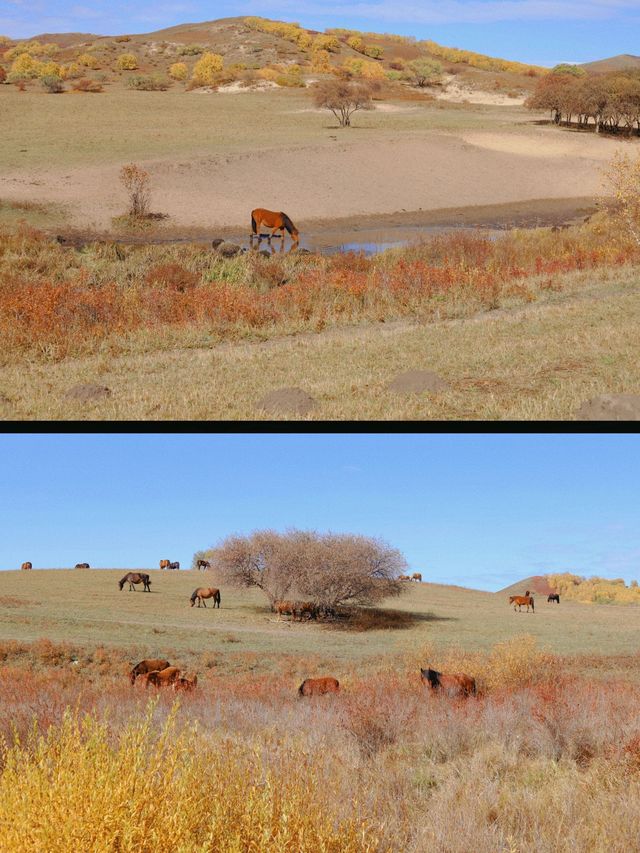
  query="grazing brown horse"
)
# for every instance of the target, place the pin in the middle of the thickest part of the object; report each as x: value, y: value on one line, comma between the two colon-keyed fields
x: 162, y: 677
x: 26, y: 566
x: 203, y: 592
x: 83, y: 566
x: 146, y: 666
x: 519, y: 600
x: 164, y: 564
x: 136, y: 577
x: 554, y: 597
x: 275, y: 220
x: 204, y: 564
x: 185, y: 684
x: 175, y: 565
x: 452, y: 684
x: 319, y: 686
x: 416, y: 576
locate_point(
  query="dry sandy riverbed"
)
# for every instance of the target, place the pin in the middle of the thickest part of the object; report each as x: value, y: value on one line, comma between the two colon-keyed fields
x: 414, y: 173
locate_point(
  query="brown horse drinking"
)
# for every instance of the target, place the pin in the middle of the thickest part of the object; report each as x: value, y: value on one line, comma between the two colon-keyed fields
x: 163, y: 677
x: 319, y: 686
x: 136, y: 577
x: 452, y: 684
x: 203, y: 592
x: 275, y: 220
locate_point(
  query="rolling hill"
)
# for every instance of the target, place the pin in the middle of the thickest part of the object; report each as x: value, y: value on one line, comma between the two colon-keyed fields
x: 614, y: 63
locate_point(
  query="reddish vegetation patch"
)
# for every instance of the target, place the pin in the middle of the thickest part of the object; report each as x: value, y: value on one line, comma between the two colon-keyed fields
x: 540, y: 584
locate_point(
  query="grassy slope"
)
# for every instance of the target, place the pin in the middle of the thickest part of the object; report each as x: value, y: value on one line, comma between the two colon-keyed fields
x: 86, y: 608
x: 539, y: 362
x: 121, y: 125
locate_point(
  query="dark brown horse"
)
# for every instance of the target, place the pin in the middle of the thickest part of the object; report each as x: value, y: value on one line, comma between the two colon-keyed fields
x: 319, y: 686
x: 146, y: 666
x: 26, y: 566
x: 136, y: 577
x: 175, y: 565
x: 164, y: 564
x: 520, y: 600
x: 554, y: 597
x: 204, y: 564
x: 452, y: 684
x: 275, y: 220
x: 203, y: 592
x: 83, y: 566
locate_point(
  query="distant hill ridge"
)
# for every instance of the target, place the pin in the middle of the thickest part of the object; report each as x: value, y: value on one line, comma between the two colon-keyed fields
x: 614, y: 63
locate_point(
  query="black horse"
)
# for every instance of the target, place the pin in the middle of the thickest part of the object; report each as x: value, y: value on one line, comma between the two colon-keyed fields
x: 136, y: 577
x: 554, y: 597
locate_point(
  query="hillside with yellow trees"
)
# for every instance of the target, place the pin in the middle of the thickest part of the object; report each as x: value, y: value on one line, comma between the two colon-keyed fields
x: 595, y: 590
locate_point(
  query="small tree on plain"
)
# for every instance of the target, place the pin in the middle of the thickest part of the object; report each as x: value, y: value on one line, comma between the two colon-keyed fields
x: 329, y: 569
x: 342, y: 98
x: 136, y: 183
x: 424, y: 72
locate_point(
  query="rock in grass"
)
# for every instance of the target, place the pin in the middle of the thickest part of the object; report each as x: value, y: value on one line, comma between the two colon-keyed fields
x: 228, y: 250
x: 610, y: 407
x: 287, y: 401
x: 417, y: 382
x: 87, y: 392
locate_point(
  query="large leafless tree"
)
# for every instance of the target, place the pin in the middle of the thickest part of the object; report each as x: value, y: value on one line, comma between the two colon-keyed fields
x: 326, y: 568
x: 343, y: 98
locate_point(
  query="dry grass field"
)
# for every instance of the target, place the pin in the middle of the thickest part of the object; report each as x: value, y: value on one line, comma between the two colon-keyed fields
x: 544, y: 759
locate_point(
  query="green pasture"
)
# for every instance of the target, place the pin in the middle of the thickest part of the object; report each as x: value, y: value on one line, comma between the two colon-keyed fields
x: 86, y: 609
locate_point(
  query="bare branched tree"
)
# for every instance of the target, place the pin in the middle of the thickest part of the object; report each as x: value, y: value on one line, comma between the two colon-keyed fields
x: 343, y: 98
x: 328, y: 569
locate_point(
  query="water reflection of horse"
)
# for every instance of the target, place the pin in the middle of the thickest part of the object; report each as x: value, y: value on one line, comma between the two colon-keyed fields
x: 274, y: 220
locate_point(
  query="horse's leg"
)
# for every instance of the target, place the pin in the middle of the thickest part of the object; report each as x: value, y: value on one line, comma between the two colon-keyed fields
x: 204, y: 602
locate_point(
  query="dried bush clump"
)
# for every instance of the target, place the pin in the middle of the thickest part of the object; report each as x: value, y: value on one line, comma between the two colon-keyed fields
x: 136, y: 182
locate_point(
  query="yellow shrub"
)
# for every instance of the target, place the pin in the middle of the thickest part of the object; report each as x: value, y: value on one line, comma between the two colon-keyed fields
x: 127, y: 62
x: 206, y: 68
x: 78, y: 788
x: 329, y: 43
x: 89, y: 61
x: 594, y: 590
x: 47, y: 69
x: 178, y: 71
x: 26, y: 65
x: 268, y: 73
x: 71, y: 71
x: 320, y: 61
x: 363, y: 68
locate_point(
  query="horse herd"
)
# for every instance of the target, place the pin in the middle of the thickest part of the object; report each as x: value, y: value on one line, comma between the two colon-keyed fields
x: 520, y: 601
x: 160, y: 673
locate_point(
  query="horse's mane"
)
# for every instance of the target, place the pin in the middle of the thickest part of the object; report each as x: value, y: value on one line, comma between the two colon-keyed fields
x: 433, y: 676
x: 288, y: 224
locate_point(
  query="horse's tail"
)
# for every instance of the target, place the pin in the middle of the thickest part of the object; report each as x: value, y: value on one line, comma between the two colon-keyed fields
x: 194, y: 596
x: 288, y: 224
x: 216, y: 598
x: 301, y: 688
x: 254, y: 224
x: 533, y: 605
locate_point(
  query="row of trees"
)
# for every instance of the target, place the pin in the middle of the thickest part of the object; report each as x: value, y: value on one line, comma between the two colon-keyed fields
x: 610, y: 101
x: 595, y: 590
x: 327, y: 569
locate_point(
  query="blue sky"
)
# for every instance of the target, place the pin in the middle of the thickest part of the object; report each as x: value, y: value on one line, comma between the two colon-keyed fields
x: 480, y: 511
x: 538, y: 31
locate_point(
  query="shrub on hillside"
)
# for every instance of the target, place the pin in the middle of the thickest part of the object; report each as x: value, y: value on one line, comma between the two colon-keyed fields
x: 342, y: 98
x: 178, y: 71
x: 52, y: 84
x: 86, y: 60
x: 3, y: 74
x: 127, y: 62
x: 424, y: 72
x: 86, y: 85
x: 206, y: 69
x: 190, y: 50
x: 150, y: 83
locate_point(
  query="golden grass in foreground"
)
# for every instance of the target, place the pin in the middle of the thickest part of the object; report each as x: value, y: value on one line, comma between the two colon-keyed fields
x: 546, y: 760
x: 538, y: 362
